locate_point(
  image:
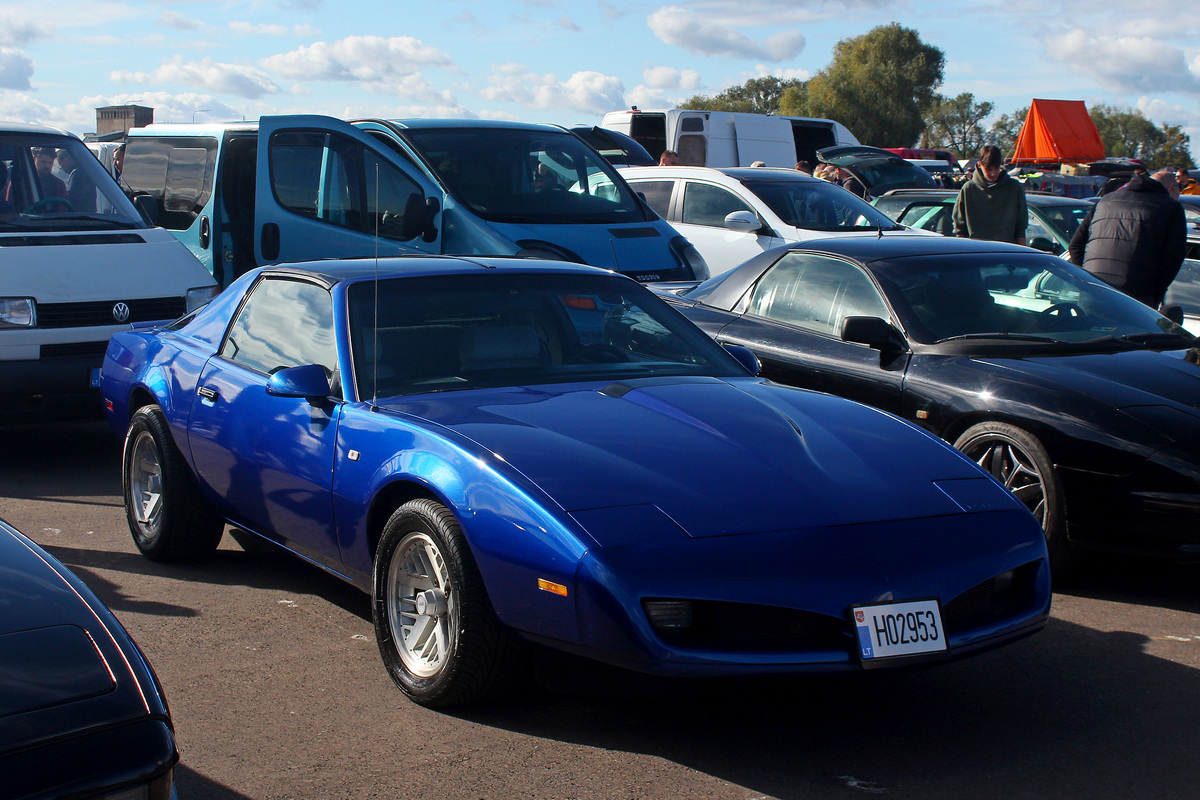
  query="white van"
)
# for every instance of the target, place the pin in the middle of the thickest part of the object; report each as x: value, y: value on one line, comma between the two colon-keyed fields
x: 78, y: 262
x: 729, y: 138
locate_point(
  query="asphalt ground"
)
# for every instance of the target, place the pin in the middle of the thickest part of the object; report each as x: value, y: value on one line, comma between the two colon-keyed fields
x: 277, y: 689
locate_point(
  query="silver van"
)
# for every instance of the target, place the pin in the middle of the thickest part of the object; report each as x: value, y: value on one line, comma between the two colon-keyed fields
x: 78, y: 262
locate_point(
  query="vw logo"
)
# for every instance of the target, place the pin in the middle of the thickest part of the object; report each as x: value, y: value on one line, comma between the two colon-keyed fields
x: 121, y: 312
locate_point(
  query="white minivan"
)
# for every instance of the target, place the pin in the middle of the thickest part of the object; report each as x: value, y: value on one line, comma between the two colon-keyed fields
x: 78, y: 262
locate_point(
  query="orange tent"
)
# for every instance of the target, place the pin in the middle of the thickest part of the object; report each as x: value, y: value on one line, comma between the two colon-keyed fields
x: 1057, y: 131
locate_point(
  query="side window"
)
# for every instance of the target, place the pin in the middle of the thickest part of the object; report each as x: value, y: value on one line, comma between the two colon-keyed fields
x: 815, y: 293
x: 284, y: 323
x: 705, y: 204
x: 335, y: 179
x: 1036, y: 230
x: 657, y: 194
x: 176, y: 171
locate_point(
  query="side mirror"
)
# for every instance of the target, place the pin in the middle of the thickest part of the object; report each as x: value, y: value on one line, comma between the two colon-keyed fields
x: 432, y: 207
x: 1045, y: 245
x: 308, y: 381
x: 745, y: 356
x: 743, y: 221
x: 874, y: 332
x: 1173, y: 313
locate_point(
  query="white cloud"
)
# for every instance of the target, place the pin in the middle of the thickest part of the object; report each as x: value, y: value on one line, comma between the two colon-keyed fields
x: 1127, y: 64
x: 382, y: 65
x: 584, y: 91
x: 15, y: 32
x: 257, y: 29
x: 706, y: 34
x: 236, y: 79
x: 671, y: 79
x: 566, y: 23
x: 16, y: 69
x: 173, y: 19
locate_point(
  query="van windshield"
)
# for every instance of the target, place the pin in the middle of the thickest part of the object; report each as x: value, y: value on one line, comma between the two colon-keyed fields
x: 51, y: 182
x: 527, y: 176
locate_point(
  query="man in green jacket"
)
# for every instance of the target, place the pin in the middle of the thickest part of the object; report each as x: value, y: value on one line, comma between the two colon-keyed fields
x: 991, y: 205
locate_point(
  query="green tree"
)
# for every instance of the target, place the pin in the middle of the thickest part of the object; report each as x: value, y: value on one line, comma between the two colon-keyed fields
x: 1127, y: 133
x: 879, y: 85
x: 756, y: 96
x: 1006, y: 129
x: 956, y: 124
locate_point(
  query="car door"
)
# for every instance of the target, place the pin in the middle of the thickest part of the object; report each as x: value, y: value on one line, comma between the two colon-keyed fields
x: 326, y: 189
x: 791, y: 318
x: 269, y: 459
x: 699, y: 214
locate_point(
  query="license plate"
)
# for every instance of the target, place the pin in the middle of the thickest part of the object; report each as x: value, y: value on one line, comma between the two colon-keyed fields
x: 887, y: 630
x: 94, y: 378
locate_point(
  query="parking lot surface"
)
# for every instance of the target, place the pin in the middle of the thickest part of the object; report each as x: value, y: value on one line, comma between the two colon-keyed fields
x: 277, y: 689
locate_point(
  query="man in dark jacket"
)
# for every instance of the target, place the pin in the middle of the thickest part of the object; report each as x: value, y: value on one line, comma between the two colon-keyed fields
x: 1134, y: 239
x: 991, y: 205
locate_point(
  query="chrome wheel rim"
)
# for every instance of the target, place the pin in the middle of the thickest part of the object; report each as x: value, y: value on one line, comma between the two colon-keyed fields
x: 1014, y: 468
x: 145, y: 483
x: 421, y: 605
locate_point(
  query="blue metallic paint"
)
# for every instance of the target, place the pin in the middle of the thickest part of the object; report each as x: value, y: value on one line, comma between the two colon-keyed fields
x: 663, y: 489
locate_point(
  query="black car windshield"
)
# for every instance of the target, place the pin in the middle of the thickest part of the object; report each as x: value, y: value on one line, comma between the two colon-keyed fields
x: 1030, y: 296
x: 471, y: 331
x: 52, y: 182
x: 820, y: 206
x: 519, y: 175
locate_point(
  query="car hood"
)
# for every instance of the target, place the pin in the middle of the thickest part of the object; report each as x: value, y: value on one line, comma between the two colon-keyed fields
x: 717, y: 457
x: 1121, y: 380
x: 61, y: 667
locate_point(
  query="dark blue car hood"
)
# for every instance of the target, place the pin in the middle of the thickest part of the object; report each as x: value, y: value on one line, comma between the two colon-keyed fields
x: 1122, y: 380
x: 718, y: 457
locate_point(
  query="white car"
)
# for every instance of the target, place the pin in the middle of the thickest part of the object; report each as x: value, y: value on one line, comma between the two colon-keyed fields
x: 731, y: 215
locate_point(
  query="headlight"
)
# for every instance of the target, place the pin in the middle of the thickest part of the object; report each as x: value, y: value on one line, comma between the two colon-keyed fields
x: 199, y: 297
x: 17, y: 312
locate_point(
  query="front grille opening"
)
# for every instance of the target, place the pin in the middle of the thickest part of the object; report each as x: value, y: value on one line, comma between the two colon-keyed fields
x: 742, y: 627
x: 995, y: 600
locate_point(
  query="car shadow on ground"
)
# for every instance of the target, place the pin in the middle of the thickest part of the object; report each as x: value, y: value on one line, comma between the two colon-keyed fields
x: 83, y: 458
x: 1141, y: 581
x: 194, y: 786
x: 1070, y: 712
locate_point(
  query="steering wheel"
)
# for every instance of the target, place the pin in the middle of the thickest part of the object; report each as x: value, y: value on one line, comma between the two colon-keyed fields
x: 1065, y: 309
x: 599, y: 353
x: 47, y: 202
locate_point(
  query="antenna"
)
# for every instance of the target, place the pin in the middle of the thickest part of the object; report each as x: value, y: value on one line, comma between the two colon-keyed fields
x: 375, y: 321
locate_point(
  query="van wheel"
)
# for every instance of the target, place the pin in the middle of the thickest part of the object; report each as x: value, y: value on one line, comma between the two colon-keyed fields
x: 168, y: 517
x: 1018, y: 460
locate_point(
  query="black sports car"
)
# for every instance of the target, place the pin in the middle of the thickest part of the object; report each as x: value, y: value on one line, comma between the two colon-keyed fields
x: 1083, y: 401
x: 81, y: 713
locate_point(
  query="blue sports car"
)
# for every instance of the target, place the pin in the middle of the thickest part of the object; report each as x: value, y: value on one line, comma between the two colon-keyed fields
x: 514, y: 454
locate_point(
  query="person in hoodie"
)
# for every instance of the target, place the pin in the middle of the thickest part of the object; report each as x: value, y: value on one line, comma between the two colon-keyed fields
x: 991, y: 205
x: 1134, y: 238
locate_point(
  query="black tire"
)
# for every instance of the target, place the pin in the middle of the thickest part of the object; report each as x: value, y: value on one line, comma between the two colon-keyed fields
x: 436, y: 629
x: 1018, y: 460
x: 169, y: 519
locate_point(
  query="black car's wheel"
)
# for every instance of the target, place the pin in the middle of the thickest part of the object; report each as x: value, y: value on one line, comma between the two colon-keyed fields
x: 437, y: 632
x: 1018, y: 460
x: 168, y: 517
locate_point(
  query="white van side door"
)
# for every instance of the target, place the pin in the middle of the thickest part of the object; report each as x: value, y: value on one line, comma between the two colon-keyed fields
x: 326, y: 189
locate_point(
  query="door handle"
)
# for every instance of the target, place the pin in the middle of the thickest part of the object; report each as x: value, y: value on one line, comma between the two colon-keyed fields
x: 205, y: 232
x: 209, y: 394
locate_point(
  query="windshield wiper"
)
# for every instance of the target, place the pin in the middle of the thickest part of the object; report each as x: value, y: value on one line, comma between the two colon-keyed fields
x: 1014, y: 337
x: 17, y: 226
x: 1150, y: 339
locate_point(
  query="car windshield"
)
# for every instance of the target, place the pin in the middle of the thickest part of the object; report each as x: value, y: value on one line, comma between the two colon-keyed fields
x: 51, y: 182
x: 1031, y: 297
x: 470, y: 331
x: 527, y: 176
x: 883, y: 174
x: 819, y: 205
x: 1064, y: 217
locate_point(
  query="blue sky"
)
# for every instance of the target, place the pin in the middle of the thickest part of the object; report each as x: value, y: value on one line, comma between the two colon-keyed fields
x: 561, y: 61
